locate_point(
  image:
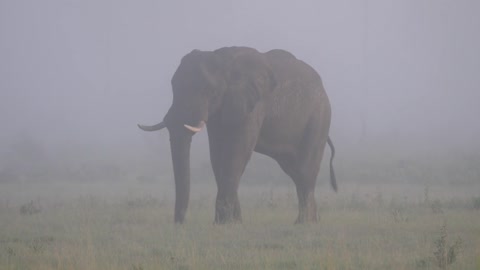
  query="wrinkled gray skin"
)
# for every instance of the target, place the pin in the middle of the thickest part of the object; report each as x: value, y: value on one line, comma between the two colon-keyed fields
x: 271, y: 103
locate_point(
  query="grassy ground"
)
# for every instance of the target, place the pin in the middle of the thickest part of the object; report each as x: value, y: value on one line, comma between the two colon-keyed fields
x: 404, y: 212
x: 358, y: 229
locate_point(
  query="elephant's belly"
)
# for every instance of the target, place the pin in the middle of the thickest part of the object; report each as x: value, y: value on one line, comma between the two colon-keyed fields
x: 276, y: 138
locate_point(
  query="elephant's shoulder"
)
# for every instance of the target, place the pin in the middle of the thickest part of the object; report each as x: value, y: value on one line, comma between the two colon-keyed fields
x: 235, y: 51
x: 279, y: 53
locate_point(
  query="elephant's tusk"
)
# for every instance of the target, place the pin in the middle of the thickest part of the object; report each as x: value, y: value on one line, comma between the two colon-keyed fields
x: 152, y: 128
x: 197, y: 128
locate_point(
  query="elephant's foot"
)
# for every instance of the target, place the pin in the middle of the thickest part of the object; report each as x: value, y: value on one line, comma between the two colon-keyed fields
x: 306, y: 217
x: 227, y: 212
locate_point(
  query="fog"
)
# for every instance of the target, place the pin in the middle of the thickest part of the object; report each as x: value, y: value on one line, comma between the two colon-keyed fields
x: 76, y: 75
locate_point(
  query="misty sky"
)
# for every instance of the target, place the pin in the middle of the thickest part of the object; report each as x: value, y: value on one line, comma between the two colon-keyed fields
x: 85, y: 72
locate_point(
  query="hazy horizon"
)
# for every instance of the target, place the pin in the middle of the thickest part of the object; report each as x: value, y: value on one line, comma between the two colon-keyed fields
x: 400, y: 74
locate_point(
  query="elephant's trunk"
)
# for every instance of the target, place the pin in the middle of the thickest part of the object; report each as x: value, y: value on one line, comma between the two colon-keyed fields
x: 180, y: 147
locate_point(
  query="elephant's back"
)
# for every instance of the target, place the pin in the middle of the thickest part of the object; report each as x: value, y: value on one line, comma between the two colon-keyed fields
x: 298, y: 84
x: 299, y: 94
x: 287, y: 67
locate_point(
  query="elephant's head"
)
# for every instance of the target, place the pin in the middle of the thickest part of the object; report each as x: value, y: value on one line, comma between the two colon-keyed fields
x: 207, y: 84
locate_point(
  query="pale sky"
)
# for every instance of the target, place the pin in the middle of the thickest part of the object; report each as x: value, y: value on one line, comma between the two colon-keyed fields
x: 85, y: 72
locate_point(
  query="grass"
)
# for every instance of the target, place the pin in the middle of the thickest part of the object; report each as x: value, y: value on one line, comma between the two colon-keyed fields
x: 408, y: 212
x: 136, y: 232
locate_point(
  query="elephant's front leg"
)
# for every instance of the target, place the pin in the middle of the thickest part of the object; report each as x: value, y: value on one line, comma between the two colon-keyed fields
x: 235, y: 153
x: 230, y: 151
x: 227, y: 205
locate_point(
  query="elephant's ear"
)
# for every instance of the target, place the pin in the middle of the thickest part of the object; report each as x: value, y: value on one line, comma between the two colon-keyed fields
x: 247, y: 87
x: 239, y: 102
x: 212, y: 72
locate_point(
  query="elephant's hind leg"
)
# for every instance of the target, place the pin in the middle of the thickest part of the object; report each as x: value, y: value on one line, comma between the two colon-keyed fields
x: 303, y: 167
x: 307, y: 207
x: 305, y: 185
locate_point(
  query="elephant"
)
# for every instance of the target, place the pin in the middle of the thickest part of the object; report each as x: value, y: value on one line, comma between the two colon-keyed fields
x: 270, y: 103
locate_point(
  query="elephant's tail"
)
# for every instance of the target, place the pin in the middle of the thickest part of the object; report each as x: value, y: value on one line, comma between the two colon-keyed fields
x: 333, y: 180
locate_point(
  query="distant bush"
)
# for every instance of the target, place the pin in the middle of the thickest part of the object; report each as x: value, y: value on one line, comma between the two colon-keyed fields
x: 30, y: 209
x: 94, y: 171
x: 476, y: 203
x: 436, y: 207
x: 446, y: 253
x: 24, y: 158
x: 8, y: 175
x: 398, y: 214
